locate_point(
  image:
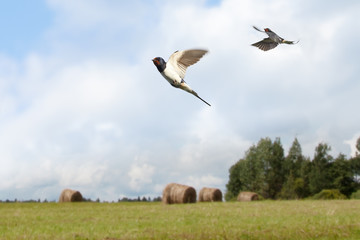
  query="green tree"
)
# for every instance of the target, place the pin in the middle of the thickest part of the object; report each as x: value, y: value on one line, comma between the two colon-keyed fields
x: 355, y: 164
x: 355, y: 168
x: 234, y: 185
x: 265, y: 170
x: 288, y: 191
x: 300, y: 188
x: 257, y: 167
x: 303, y: 182
x: 246, y: 175
x: 342, y: 176
x: 260, y: 171
x: 296, y: 171
x: 275, y: 172
x: 320, y: 176
x: 294, y: 160
x: 251, y: 171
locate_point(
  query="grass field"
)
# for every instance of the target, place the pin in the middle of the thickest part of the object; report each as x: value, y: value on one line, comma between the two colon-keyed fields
x: 141, y: 220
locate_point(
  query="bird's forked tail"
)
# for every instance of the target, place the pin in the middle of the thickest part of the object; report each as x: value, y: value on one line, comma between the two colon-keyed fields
x: 196, y: 95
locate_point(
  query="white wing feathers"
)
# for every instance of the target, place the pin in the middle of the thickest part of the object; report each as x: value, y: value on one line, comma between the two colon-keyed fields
x: 181, y: 60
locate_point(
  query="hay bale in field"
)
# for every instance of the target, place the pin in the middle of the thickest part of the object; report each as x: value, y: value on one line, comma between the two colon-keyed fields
x: 68, y: 195
x: 247, y: 196
x: 178, y: 193
x: 210, y: 195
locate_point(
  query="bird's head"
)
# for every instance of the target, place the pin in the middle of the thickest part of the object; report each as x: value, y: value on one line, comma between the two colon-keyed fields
x: 267, y: 29
x: 160, y: 63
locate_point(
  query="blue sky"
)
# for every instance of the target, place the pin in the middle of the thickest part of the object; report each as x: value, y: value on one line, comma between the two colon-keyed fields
x: 83, y: 107
x: 22, y: 25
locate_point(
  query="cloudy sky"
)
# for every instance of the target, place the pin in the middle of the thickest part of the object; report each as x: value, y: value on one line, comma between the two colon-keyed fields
x: 82, y: 106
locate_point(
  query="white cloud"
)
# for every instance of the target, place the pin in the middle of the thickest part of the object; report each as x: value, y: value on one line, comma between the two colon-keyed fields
x: 88, y: 108
x: 205, y: 181
x: 85, y: 174
x: 211, y: 143
x: 352, y: 143
x: 140, y: 176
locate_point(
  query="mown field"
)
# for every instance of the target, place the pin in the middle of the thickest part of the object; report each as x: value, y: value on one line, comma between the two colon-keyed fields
x: 142, y: 220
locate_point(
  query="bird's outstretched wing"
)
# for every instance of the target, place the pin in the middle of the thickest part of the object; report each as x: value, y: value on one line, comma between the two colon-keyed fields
x: 181, y: 60
x: 265, y: 44
x: 258, y: 29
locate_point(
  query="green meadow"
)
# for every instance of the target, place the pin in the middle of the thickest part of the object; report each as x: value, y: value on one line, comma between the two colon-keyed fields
x: 306, y: 219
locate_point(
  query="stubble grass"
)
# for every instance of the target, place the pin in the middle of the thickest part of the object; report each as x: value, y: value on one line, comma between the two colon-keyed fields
x: 230, y: 220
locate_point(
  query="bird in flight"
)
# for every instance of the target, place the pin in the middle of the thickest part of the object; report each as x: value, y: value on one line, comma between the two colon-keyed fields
x: 175, y: 68
x: 272, y: 41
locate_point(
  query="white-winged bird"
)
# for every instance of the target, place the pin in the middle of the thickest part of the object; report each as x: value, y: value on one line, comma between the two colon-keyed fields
x: 272, y: 41
x: 175, y: 68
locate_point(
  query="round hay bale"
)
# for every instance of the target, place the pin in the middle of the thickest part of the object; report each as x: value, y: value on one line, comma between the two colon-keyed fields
x: 247, y: 196
x: 68, y: 195
x: 210, y: 195
x: 177, y: 193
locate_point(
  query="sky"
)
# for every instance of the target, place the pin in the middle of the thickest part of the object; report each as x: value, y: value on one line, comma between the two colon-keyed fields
x: 82, y: 106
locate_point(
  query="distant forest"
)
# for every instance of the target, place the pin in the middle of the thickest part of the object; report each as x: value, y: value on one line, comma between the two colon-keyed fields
x: 124, y: 199
x: 267, y: 171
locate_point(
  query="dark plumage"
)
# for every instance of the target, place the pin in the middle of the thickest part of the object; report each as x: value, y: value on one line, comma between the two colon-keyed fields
x: 272, y: 41
x: 159, y: 63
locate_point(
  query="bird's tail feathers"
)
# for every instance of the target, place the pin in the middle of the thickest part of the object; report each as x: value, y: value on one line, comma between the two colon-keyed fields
x: 187, y: 88
x: 196, y: 95
x: 290, y: 42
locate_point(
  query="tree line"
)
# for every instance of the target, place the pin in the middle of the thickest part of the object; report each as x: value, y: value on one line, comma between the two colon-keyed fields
x: 124, y: 199
x: 267, y: 171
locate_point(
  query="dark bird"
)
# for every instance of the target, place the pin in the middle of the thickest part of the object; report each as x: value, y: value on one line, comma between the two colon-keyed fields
x: 175, y: 68
x: 272, y: 41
